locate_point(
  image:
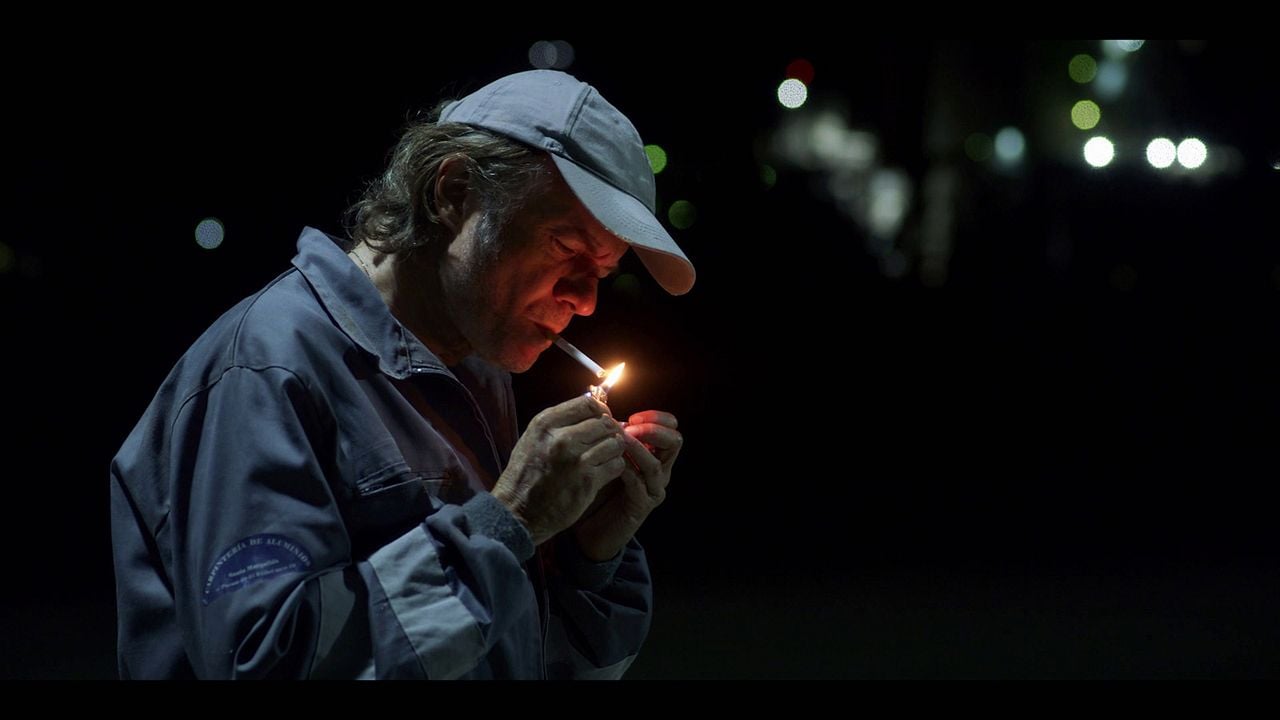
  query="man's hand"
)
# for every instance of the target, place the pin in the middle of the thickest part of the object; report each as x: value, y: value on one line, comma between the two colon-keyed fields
x: 652, y: 444
x: 566, y: 455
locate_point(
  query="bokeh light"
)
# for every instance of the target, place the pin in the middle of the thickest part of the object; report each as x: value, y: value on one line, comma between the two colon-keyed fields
x: 542, y: 54
x: 564, y: 54
x: 800, y: 69
x: 1111, y: 80
x: 768, y: 175
x: 979, y: 147
x: 209, y: 233
x: 1010, y: 145
x: 627, y: 285
x: 1161, y: 152
x: 657, y: 158
x: 1082, y: 68
x: 556, y: 55
x: 1124, y: 277
x: 1192, y: 153
x: 682, y: 214
x: 1099, y: 152
x: 1086, y: 114
x: 792, y: 93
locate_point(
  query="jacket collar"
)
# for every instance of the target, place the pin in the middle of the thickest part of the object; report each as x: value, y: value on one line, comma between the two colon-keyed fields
x: 355, y: 305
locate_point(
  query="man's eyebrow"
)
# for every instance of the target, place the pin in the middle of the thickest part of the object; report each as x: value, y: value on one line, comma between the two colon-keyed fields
x: 578, y: 230
x: 586, y: 238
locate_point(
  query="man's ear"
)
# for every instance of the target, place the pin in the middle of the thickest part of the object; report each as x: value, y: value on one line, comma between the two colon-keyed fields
x: 453, y: 192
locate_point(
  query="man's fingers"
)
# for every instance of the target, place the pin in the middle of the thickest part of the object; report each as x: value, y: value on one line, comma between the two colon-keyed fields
x: 665, y: 441
x: 570, y: 412
x: 645, y: 462
x: 611, y: 469
x: 604, y: 450
x: 588, y: 432
x: 640, y: 486
x: 656, y: 417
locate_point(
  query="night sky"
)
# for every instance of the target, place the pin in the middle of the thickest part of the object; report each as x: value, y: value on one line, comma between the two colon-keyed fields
x: 1047, y: 451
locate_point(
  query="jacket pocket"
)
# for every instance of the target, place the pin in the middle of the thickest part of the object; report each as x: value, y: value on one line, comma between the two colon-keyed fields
x: 385, y: 506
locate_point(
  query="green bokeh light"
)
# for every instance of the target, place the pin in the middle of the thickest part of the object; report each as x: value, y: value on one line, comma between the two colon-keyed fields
x: 627, y: 285
x: 1086, y: 114
x: 1082, y: 68
x: 657, y: 158
x: 979, y: 147
x: 682, y: 214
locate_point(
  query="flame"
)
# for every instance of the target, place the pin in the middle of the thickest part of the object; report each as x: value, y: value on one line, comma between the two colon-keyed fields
x: 614, y: 375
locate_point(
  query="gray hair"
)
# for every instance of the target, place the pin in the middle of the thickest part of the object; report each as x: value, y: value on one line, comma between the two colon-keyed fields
x: 397, y: 211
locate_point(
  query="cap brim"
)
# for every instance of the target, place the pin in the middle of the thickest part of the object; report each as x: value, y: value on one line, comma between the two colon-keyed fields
x: 629, y: 219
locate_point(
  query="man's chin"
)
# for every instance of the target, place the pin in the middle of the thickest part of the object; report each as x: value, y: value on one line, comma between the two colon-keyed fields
x: 518, y: 368
x: 518, y: 361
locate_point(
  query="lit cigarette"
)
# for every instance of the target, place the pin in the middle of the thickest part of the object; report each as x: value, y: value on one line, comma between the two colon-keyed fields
x: 581, y: 357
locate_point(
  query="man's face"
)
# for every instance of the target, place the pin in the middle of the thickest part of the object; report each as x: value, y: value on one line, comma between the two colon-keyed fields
x: 511, y: 296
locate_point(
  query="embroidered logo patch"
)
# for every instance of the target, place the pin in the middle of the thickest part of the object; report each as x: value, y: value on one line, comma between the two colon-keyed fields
x: 251, y: 560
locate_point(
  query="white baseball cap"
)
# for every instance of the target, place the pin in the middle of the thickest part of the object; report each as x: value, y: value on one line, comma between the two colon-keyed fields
x: 596, y: 149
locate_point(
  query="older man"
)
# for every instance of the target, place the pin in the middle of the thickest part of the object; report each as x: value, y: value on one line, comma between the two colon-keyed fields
x: 331, y: 482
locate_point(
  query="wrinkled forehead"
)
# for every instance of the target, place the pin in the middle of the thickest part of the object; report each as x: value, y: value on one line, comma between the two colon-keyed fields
x: 556, y: 207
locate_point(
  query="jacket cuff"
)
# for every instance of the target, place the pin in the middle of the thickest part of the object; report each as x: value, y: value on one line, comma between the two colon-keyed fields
x: 579, y: 569
x: 488, y: 516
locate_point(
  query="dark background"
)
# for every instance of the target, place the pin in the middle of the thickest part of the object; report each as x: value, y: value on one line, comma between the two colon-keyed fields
x: 1057, y: 462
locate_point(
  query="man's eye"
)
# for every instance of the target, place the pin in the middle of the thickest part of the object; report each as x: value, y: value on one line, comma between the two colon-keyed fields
x: 562, y: 248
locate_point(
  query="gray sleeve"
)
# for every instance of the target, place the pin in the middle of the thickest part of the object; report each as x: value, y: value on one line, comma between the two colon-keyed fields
x: 600, y: 615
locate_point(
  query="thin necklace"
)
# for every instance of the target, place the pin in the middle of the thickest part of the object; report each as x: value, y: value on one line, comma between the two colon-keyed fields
x: 362, y: 265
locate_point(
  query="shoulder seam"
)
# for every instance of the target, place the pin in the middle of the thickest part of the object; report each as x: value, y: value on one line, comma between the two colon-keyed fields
x: 235, y: 337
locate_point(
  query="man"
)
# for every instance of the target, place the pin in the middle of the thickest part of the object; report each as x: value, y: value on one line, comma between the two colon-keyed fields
x: 331, y: 482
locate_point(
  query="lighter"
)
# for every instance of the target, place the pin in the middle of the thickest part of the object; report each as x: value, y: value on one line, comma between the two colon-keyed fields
x: 599, y: 392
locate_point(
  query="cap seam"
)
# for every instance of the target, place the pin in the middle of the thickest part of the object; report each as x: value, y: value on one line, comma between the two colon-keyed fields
x: 576, y: 112
x: 482, y: 106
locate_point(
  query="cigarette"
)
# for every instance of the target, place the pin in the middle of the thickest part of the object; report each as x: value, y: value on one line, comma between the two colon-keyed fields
x: 581, y: 357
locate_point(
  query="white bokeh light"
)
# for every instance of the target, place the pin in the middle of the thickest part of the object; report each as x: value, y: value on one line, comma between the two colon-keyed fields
x: 1192, y: 153
x: 1120, y: 48
x: 1099, y: 152
x: 1010, y: 145
x: 792, y: 93
x: 1110, y: 80
x: 1161, y: 152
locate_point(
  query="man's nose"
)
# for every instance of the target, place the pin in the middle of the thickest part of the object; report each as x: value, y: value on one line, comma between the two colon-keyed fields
x: 579, y: 292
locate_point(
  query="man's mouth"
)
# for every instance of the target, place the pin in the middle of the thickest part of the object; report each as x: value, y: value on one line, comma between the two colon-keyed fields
x: 550, y: 334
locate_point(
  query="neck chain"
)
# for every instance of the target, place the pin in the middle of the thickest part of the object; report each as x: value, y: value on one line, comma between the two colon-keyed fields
x: 360, y: 260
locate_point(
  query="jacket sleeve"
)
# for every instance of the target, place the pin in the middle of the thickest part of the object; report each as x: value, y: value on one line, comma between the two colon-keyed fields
x: 600, y: 612
x: 265, y: 581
